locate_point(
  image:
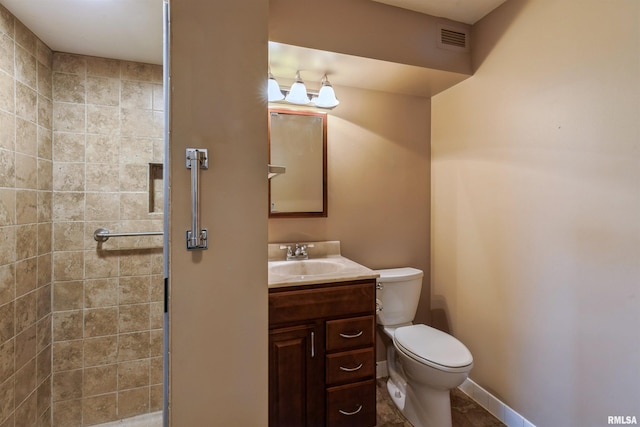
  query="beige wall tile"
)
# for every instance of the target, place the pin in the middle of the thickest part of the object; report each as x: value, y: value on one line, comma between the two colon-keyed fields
x: 100, y: 264
x: 156, y: 398
x: 45, y: 112
x: 43, y: 298
x: 68, y: 236
x: 141, y: 72
x: 156, y: 366
x: 26, y: 348
x: 67, y: 325
x: 133, y: 402
x: 68, y: 265
x: 102, y: 177
x: 25, y: 37
x: 133, y: 374
x: 155, y: 342
x: 26, y: 171
x: 26, y: 413
x: 102, y: 206
x: 26, y: 275
x: 6, y: 54
x: 45, y: 146
x: 43, y: 337
x: 26, y: 241
x: 7, y: 322
x: 103, y: 90
x: 7, y: 131
x: 7, y: 355
x: 26, y: 102
x: 101, y: 293
x: 7, y: 246
x: 44, y: 238
x: 101, y: 350
x: 68, y: 147
x: 133, y: 346
x: 103, y: 149
x: 136, y: 95
x: 43, y: 364
x: 25, y: 381
x: 44, y: 269
x: 68, y: 206
x: 67, y: 385
x: 68, y: 176
x: 45, y: 175
x: 69, y: 88
x: 26, y: 137
x: 99, y: 409
x: 100, y: 380
x: 68, y: 117
x: 7, y: 91
x: 134, y: 205
x: 100, y: 322
x: 45, y: 203
x: 67, y: 355
x: 136, y: 263
x: 134, y: 289
x: 45, y: 80
x: 7, y: 206
x: 67, y: 413
x: 8, y: 165
x: 133, y: 318
x: 43, y: 403
x: 103, y: 67
x: 68, y: 295
x: 134, y: 177
x: 25, y: 67
x: 26, y: 313
x: 69, y: 63
x: 26, y: 205
x: 103, y: 120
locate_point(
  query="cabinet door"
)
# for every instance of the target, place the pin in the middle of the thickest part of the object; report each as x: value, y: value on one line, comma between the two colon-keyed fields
x: 296, y: 368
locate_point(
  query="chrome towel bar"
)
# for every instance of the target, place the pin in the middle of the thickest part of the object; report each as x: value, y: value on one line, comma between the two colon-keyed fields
x: 102, y: 234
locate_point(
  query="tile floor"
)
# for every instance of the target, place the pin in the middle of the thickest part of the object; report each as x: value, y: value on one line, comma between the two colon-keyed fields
x: 464, y: 411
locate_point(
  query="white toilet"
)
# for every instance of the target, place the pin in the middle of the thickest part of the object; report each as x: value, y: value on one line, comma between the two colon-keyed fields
x: 424, y: 363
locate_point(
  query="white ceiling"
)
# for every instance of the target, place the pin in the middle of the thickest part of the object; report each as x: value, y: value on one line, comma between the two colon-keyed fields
x: 132, y: 30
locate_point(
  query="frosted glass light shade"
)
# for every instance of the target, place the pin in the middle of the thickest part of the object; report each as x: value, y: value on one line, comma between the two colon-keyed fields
x: 273, y: 90
x: 298, y: 92
x: 326, y: 97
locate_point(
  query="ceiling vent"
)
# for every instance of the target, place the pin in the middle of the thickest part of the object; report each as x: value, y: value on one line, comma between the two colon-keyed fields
x: 453, y: 38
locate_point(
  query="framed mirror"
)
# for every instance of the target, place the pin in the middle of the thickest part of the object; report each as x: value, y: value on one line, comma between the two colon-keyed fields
x: 298, y: 151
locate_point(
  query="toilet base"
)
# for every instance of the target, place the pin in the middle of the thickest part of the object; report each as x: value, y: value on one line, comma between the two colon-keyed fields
x: 396, y: 394
x: 433, y: 409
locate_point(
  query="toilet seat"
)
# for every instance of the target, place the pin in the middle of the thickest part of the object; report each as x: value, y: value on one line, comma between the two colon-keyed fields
x: 432, y: 347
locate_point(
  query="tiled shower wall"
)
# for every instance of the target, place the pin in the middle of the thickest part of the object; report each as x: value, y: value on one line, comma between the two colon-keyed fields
x: 25, y: 226
x: 107, y: 297
x: 80, y: 321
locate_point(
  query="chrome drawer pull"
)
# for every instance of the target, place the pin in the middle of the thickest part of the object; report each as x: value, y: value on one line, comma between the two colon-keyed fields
x: 351, y: 335
x: 342, y: 368
x: 351, y: 413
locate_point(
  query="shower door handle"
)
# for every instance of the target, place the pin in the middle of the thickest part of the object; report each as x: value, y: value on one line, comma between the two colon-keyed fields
x: 197, y: 159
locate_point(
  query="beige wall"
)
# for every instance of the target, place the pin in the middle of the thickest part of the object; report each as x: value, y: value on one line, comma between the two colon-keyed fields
x: 218, y: 297
x: 378, y: 184
x: 535, y: 207
x: 25, y: 225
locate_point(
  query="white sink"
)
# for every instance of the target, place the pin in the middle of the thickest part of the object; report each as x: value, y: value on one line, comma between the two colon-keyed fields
x: 308, y: 267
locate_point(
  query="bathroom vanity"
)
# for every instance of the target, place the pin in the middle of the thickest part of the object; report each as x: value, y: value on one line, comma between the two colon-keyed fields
x: 322, y: 344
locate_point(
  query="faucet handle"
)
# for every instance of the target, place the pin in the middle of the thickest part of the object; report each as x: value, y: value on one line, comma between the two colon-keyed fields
x: 288, y: 248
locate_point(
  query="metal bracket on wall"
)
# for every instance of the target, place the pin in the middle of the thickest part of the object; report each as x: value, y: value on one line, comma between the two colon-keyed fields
x: 197, y: 159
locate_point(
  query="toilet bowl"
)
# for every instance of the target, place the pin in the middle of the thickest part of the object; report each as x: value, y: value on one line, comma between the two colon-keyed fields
x: 424, y: 363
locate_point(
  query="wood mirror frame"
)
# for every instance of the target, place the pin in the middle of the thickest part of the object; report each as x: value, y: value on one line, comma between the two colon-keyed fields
x: 298, y: 142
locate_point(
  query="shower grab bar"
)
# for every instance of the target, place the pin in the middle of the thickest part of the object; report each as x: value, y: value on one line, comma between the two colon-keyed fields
x: 102, y: 234
x: 197, y: 158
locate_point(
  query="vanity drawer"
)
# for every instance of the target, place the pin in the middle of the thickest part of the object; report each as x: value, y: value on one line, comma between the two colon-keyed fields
x: 314, y: 303
x: 349, y: 333
x: 350, y: 366
x: 352, y: 405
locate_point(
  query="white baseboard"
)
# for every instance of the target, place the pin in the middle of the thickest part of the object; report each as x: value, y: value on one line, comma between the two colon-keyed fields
x: 482, y: 397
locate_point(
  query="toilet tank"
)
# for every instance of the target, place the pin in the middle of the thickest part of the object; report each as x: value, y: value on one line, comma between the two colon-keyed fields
x: 398, y: 294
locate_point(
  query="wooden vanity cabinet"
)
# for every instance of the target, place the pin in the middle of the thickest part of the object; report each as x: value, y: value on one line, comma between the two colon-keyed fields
x: 322, y: 355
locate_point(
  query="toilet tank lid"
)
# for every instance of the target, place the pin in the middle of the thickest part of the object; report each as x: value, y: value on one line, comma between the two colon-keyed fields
x: 433, y: 345
x: 398, y: 274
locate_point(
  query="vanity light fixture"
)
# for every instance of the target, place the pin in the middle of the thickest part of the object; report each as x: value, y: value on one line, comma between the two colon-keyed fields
x: 274, y: 93
x: 326, y: 97
x: 298, y: 92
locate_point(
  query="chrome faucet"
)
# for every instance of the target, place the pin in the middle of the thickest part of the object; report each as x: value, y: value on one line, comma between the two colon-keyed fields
x: 298, y: 252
